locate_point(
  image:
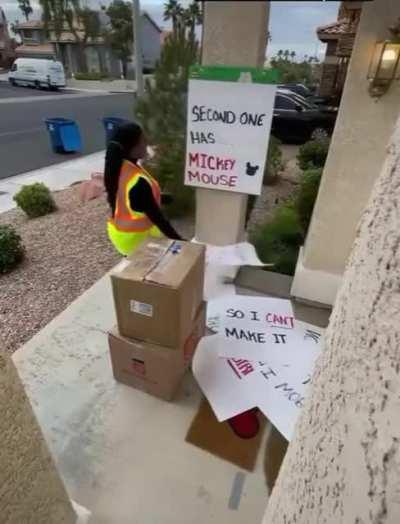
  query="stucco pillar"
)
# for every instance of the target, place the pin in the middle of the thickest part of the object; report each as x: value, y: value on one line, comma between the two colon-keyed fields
x: 343, y: 464
x: 234, y: 33
x: 363, y: 129
x: 31, y: 491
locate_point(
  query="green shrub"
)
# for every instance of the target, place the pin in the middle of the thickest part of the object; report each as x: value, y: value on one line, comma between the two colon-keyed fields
x: 274, y: 163
x: 162, y: 113
x: 11, y: 249
x: 313, y: 154
x: 36, y: 200
x: 91, y: 76
x: 278, y: 241
x: 305, y: 200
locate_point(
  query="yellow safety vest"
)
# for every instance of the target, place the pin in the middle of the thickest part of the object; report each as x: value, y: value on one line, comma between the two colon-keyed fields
x: 127, y: 229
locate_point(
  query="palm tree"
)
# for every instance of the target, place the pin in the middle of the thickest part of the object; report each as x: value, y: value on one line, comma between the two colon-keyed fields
x: 196, y: 13
x: 25, y: 8
x: 293, y: 55
x: 173, y: 11
x: 286, y: 54
x: 280, y: 54
x: 192, y: 16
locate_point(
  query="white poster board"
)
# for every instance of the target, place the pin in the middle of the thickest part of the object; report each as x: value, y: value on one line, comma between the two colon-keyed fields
x: 222, y: 381
x: 278, y: 386
x: 265, y: 359
x: 252, y: 327
x: 228, y: 129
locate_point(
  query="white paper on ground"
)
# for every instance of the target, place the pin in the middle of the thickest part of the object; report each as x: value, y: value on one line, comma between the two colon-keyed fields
x: 281, y: 383
x: 222, y: 381
x: 297, y: 359
x: 242, y: 254
x: 222, y: 266
x: 250, y: 326
x: 217, y: 282
x: 273, y: 400
x: 278, y: 387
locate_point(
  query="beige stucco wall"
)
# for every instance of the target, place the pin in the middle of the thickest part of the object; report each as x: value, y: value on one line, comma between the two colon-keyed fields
x: 357, y: 151
x: 234, y: 33
x: 343, y: 464
x: 31, y: 491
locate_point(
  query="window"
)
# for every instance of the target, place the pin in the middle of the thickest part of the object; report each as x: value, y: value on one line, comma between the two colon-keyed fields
x: 301, y: 101
x: 14, y: 67
x: 284, y: 102
x: 30, y: 36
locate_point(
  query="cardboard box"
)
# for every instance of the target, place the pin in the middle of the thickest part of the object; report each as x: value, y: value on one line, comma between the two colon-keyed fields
x: 159, y: 291
x: 151, y: 368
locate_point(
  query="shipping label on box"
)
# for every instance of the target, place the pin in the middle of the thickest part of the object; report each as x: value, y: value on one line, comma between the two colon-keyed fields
x: 155, y: 369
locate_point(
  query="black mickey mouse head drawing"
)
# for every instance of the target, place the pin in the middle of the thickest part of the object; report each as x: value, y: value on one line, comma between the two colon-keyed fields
x: 251, y: 170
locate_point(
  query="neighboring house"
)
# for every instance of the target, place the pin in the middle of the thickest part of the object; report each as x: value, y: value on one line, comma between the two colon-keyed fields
x: 34, y: 41
x: 151, y: 41
x: 39, y: 43
x: 6, y: 43
x: 339, y: 37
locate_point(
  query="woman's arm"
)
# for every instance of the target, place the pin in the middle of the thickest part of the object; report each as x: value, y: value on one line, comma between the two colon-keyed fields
x: 142, y: 200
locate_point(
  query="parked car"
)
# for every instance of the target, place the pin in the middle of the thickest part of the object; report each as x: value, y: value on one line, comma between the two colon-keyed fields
x: 299, y: 89
x: 308, y: 94
x: 296, y: 120
x: 37, y: 72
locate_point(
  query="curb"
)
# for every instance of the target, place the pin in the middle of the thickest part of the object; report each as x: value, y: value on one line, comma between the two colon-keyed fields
x: 103, y: 91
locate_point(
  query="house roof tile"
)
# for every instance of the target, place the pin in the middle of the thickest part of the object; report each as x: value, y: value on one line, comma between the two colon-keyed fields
x: 44, y: 49
x: 336, y: 30
x: 30, y: 24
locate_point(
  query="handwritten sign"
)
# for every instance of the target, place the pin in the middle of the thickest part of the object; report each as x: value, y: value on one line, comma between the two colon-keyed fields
x: 222, y: 381
x: 277, y: 386
x: 228, y: 128
x: 253, y: 326
x: 281, y: 385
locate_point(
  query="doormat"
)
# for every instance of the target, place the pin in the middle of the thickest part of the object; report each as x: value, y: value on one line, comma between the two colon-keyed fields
x: 218, y: 438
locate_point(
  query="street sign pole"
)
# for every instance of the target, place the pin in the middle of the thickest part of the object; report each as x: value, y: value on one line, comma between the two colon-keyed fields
x: 137, y: 46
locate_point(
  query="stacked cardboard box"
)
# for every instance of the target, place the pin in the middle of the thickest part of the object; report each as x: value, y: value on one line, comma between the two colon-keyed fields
x: 158, y: 298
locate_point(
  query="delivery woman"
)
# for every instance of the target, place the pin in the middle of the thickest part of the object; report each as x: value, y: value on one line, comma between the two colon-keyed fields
x: 133, y: 194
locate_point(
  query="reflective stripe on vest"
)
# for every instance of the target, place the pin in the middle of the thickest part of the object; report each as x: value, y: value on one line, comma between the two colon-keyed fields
x: 125, y: 218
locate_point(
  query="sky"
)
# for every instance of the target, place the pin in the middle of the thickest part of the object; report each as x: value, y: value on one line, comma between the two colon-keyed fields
x: 292, y: 24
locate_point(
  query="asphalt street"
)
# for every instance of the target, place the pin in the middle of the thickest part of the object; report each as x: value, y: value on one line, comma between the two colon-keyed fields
x: 8, y: 91
x: 24, y: 142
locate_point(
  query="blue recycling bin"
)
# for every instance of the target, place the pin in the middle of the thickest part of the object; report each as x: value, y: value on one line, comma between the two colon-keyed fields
x: 64, y: 135
x: 110, y: 124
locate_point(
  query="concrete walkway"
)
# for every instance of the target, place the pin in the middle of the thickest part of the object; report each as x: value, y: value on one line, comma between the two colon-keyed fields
x: 122, y: 453
x: 56, y: 177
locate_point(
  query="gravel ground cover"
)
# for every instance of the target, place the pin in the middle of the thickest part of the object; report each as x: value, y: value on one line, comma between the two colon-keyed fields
x: 66, y: 252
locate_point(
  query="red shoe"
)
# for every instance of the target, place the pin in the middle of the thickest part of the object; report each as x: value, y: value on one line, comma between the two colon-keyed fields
x: 245, y: 425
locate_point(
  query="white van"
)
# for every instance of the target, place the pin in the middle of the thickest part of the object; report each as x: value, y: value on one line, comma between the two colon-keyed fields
x: 37, y: 72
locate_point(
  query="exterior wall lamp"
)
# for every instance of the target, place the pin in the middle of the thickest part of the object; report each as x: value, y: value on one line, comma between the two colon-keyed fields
x: 384, y: 67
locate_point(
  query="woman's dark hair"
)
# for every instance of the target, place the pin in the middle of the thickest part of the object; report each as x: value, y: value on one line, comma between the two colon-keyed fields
x: 124, y: 138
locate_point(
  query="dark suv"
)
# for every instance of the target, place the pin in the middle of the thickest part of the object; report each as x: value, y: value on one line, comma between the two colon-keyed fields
x: 295, y: 120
